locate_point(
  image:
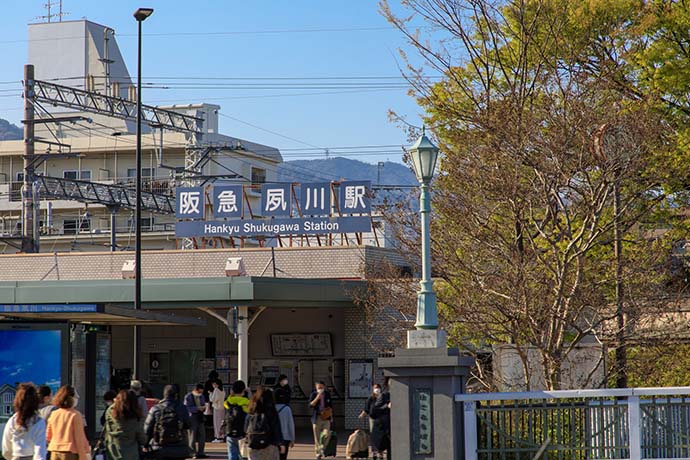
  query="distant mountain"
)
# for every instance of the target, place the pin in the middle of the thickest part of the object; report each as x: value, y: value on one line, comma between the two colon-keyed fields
x: 10, y: 132
x: 345, y: 168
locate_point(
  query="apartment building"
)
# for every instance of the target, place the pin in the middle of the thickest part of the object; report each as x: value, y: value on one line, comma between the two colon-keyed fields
x: 84, y: 55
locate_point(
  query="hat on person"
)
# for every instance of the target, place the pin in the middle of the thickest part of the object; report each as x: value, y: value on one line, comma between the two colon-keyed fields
x: 135, y: 385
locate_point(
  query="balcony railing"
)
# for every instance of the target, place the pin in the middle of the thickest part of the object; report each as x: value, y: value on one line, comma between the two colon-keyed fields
x: 157, y: 185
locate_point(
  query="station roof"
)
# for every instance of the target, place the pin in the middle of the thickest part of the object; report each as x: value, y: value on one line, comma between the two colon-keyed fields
x: 111, y: 301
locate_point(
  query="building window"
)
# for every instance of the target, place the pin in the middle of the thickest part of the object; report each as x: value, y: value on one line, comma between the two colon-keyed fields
x: 8, y: 398
x: 84, y: 174
x: 20, y: 177
x: 145, y: 173
x: 70, y: 226
x: 258, y: 175
x: 146, y: 223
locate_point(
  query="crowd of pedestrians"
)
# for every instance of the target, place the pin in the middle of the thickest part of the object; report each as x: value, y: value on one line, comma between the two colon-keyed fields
x: 257, y: 426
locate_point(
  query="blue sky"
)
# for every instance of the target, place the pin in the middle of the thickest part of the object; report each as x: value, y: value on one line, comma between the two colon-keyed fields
x: 318, y: 41
x: 30, y: 356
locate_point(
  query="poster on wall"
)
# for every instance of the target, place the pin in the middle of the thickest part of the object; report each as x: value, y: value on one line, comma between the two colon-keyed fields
x: 360, y: 378
x: 318, y: 344
x: 159, y: 368
x: 30, y: 352
x: 102, y: 372
x: 206, y: 365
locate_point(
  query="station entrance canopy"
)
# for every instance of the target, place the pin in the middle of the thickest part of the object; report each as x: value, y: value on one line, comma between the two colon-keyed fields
x: 110, y: 301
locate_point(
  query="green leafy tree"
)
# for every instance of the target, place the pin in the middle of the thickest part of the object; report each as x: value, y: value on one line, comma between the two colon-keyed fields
x: 537, y: 146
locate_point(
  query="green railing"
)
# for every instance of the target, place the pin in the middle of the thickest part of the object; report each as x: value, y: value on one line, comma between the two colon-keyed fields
x: 624, y: 424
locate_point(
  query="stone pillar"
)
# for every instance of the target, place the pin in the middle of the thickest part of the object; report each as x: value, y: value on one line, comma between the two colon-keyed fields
x: 426, y: 423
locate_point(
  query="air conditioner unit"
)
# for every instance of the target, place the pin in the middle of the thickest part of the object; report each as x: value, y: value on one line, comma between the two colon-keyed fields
x: 234, y: 266
x: 128, y: 269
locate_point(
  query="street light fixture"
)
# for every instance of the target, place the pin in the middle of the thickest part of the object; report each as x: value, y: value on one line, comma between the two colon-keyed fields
x: 140, y: 15
x: 424, y: 154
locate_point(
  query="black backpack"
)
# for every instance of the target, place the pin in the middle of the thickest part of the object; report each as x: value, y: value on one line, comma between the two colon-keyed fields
x: 234, y: 421
x: 168, y: 430
x: 259, y: 432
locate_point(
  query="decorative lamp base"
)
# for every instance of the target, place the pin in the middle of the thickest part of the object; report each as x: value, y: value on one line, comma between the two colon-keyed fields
x: 426, y: 338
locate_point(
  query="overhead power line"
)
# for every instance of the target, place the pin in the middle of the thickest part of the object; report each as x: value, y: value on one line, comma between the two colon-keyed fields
x: 229, y: 33
x: 268, y: 130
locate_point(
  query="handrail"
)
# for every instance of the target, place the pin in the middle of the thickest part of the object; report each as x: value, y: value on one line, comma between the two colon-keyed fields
x: 573, y: 394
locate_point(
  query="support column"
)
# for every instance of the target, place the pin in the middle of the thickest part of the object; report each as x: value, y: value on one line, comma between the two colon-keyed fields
x: 113, y: 230
x: 243, y: 344
x: 28, y: 211
x: 426, y: 422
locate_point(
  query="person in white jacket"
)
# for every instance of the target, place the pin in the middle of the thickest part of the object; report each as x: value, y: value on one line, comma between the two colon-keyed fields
x: 217, y: 398
x: 25, y: 432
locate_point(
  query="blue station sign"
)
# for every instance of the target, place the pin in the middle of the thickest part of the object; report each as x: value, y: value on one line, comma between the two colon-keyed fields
x: 49, y: 308
x: 285, y: 209
x: 273, y: 227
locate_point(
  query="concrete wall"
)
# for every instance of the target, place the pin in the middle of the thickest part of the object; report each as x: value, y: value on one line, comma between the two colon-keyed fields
x: 314, y: 262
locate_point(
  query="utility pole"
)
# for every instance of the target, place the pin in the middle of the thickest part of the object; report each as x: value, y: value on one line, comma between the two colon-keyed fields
x: 29, y: 236
x: 621, y: 348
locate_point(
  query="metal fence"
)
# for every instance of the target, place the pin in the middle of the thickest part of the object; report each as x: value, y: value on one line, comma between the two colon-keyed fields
x: 620, y: 424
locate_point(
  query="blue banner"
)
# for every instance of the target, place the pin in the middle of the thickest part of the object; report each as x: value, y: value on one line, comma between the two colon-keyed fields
x: 355, y: 197
x: 227, y: 201
x: 258, y: 227
x: 190, y: 203
x: 49, y: 308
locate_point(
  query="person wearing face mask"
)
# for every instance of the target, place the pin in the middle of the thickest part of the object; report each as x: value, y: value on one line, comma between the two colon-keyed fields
x: 369, y: 405
x: 65, y: 432
x: 282, y: 395
x: 380, y: 413
x: 322, y: 413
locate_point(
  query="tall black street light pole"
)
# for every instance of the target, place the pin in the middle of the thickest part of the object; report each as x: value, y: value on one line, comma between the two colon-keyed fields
x: 140, y: 15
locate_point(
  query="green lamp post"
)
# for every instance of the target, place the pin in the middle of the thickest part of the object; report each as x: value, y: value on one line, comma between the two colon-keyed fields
x: 424, y: 154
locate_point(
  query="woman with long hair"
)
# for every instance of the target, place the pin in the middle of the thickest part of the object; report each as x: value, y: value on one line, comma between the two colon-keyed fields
x: 65, y: 433
x: 124, y: 427
x: 25, y: 432
x: 262, y: 426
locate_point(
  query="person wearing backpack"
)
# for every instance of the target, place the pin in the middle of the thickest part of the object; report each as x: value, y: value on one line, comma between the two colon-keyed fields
x: 236, y: 408
x: 262, y: 426
x: 287, y: 422
x: 166, y: 425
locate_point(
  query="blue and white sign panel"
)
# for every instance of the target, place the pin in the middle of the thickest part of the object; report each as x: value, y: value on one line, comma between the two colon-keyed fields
x: 256, y: 227
x: 315, y: 199
x: 276, y: 200
x: 190, y: 203
x: 227, y: 201
x: 355, y: 198
x: 315, y: 205
x: 49, y: 308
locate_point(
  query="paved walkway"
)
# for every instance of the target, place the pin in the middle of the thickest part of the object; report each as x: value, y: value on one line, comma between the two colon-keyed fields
x: 301, y: 451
